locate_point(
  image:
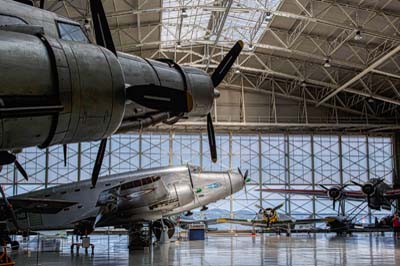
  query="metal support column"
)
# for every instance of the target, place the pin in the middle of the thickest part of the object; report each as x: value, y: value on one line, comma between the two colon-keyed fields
x: 171, y: 151
x: 230, y: 169
x: 368, y: 172
x: 46, y: 169
x: 79, y: 162
x: 313, y: 173
x: 396, y: 162
x: 287, y: 175
x: 260, y: 167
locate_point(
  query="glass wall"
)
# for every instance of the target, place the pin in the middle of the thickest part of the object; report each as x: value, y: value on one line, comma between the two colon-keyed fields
x: 273, y: 160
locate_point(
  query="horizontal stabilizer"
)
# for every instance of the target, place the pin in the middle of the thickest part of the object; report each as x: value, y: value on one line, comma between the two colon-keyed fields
x: 161, y: 98
x: 36, y: 205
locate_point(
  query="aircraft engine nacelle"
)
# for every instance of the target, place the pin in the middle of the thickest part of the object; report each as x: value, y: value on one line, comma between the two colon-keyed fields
x: 183, y: 193
x: 148, y: 74
x: 55, y: 91
x: 335, y: 193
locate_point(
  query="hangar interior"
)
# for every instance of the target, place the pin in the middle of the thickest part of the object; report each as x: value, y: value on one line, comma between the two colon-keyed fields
x: 312, y: 99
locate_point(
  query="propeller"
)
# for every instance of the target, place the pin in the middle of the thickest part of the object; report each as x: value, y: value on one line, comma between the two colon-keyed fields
x: 217, y: 77
x: 245, y: 180
x: 99, y: 161
x: 335, y: 193
x: 272, y: 211
x: 9, y: 158
x: 369, y: 188
x: 9, y: 208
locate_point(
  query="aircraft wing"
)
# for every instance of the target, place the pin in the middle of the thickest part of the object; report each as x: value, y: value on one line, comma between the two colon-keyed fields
x: 254, y: 222
x: 310, y: 192
x: 37, y: 205
x: 320, y: 193
x: 392, y: 194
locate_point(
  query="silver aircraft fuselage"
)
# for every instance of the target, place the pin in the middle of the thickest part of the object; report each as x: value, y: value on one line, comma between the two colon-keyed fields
x: 144, y: 195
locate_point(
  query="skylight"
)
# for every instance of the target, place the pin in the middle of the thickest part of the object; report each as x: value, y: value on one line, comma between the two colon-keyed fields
x: 187, y: 22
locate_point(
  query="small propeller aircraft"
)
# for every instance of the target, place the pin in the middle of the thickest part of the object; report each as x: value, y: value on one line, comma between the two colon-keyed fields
x: 378, y: 194
x: 266, y: 219
x: 57, y: 87
x: 122, y: 200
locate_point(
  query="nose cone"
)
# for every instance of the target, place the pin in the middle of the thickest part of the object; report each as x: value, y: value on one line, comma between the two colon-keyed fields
x: 237, y: 182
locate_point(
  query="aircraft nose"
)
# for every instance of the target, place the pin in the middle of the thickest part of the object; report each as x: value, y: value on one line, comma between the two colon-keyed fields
x: 237, y: 182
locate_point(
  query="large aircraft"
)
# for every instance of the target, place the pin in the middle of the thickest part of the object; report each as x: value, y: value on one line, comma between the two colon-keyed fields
x: 119, y: 200
x: 378, y: 194
x: 57, y: 87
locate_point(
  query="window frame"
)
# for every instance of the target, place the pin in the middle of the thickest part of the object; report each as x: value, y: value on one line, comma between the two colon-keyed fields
x: 13, y: 16
x: 58, y: 22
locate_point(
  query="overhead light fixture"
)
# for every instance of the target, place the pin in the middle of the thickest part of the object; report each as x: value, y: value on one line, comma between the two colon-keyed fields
x: 184, y: 13
x: 237, y: 71
x: 327, y: 63
x: 251, y: 47
x: 358, y: 36
x: 178, y: 44
x: 371, y: 100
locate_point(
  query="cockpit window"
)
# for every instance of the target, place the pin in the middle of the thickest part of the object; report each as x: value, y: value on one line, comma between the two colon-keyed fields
x: 71, y: 32
x: 10, y: 20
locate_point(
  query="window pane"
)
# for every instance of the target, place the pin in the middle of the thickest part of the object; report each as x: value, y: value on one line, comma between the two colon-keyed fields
x: 71, y: 32
x: 8, y: 20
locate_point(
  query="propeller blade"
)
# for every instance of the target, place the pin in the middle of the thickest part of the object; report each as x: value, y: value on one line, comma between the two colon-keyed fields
x: 245, y: 191
x: 226, y: 63
x: 334, y: 204
x: 41, y: 5
x: 259, y: 207
x: 344, y: 186
x: 368, y: 201
x: 355, y: 183
x: 101, y: 28
x: 211, y: 138
x: 161, y: 98
x: 21, y: 170
x: 240, y: 172
x: 380, y: 181
x: 98, y: 218
x: 324, y: 187
x: 9, y: 207
x: 278, y: 207
x: 246, y: 174
x: 99, y: 161
x: 7, y: 158
x: 65, y: 154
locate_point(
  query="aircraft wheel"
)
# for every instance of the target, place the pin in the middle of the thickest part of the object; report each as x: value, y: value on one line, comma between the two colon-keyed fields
x: 14, y: 245
x: 157, y: 228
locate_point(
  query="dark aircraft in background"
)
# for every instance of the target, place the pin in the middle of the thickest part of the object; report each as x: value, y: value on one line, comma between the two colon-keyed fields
x: 122, y: 200
x: 58, y: 88
x: 378, y: 194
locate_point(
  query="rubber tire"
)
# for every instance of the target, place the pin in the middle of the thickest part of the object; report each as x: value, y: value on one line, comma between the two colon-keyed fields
x: 157, y: 228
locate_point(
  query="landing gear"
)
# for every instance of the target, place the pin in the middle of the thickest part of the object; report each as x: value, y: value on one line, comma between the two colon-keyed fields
x: 140, y: 236
x: 158, y: 227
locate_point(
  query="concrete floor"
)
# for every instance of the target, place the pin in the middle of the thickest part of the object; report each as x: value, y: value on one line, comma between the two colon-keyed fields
x: 362, y: 249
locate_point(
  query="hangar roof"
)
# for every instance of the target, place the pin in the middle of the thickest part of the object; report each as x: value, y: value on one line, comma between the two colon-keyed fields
x: 331, y: 63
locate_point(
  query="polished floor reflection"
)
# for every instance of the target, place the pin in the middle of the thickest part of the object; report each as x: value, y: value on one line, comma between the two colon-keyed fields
x: 362, y: 249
